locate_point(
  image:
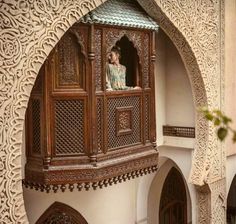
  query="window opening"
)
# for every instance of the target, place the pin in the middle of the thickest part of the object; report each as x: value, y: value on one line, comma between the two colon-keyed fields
x: 130, y: 59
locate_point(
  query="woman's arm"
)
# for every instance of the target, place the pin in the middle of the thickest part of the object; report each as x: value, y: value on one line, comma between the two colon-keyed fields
x: 108, y: 79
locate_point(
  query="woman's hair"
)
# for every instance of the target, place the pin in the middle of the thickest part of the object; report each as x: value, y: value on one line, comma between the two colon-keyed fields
x: 117, y: 50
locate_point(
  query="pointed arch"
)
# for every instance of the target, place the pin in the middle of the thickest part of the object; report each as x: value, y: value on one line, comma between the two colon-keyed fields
x: 231, y: 202
x: 131, y: 59
x: 61, y: 213
x: 173, y: 202
x: 164, y: 177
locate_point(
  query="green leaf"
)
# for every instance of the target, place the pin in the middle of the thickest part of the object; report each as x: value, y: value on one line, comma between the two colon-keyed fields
x: 234, y: 137
x: 222, y: 133
x: 226, y: 119
x: 217, y: 121
x: 209, y: 116
x: 218, y: 113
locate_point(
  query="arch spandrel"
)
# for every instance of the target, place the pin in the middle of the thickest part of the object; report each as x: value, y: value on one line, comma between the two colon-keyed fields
x: 30, y: 31
x: 195, y: 29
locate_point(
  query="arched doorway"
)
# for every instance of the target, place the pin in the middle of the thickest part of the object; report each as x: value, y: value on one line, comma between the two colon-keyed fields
x: 231, y: 203
x: 173, y: 204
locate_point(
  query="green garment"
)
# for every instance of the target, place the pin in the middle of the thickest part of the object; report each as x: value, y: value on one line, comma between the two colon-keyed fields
x: 115, y: 77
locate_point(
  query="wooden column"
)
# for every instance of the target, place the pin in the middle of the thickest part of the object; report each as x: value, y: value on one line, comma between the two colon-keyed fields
x: 92, y: 99
x: 152, y: 85
x: 46, y: 114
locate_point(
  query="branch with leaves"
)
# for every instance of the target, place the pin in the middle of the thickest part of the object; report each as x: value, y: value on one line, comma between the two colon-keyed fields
x: 221, y: 121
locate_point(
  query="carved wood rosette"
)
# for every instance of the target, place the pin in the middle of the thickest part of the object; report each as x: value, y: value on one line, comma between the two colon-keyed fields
x: 124, y: 120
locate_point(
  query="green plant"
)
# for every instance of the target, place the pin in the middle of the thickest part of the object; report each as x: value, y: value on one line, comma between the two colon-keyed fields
x: 221, y: 121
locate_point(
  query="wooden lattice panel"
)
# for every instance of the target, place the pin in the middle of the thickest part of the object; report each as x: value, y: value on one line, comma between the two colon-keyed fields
x: 59, y: 213
x: 100, y: 125
x: 177, y: 131
x: 147, y: 117
x: 36, y: 132
x: 59, y: 218
x: 116, y: 140
x: 69, y: 127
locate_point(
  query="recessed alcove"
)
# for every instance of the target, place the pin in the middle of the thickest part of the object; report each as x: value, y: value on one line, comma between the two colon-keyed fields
x: 175, y: 107
x: 130, y: 58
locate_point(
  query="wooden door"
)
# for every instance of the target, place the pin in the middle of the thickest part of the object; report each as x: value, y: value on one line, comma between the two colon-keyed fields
x: 173, y: 204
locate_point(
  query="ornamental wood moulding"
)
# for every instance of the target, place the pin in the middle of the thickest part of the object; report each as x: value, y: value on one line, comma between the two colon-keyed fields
x: 31, y: 29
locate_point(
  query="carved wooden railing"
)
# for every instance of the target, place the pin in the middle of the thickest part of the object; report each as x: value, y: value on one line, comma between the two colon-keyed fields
x: 177, y: 131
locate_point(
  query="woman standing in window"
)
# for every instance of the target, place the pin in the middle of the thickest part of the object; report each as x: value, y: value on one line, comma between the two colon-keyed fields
x: 116, y: 73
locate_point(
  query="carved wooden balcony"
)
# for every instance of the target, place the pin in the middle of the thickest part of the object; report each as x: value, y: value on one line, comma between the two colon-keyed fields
x: 78, y: 133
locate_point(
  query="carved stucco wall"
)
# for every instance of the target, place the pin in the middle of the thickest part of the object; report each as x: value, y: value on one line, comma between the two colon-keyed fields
x: 198, y: 27
x: 195, y: 27
x: 30, y: 29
